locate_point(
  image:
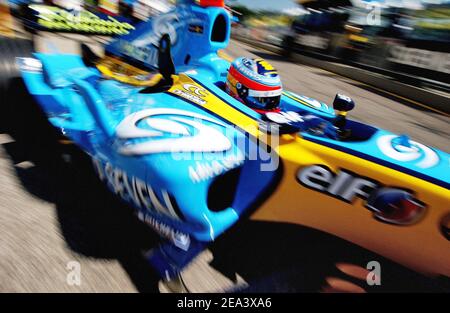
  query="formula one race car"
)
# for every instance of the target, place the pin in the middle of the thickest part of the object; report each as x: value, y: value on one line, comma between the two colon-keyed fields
x: 165, y: 137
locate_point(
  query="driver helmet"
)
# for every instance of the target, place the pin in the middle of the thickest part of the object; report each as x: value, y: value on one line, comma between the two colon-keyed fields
x: 256, y: 83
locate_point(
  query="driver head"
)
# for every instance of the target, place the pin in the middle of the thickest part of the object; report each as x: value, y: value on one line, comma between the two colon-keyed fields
x: 256, y: 83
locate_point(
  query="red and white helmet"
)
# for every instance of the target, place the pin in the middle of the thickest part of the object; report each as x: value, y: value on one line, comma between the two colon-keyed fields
x: 256, y: 83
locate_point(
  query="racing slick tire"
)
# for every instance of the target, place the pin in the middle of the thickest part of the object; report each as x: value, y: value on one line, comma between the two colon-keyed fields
x: 12, y: 89
x: 21, y: 116
x: 9, y: 72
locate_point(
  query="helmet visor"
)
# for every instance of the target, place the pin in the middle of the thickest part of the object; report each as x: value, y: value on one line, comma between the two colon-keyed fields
x: 263, y: 103
x: 264, y: 100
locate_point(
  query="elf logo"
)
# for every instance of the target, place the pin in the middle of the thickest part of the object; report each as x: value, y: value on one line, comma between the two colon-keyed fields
x: 391, y: 205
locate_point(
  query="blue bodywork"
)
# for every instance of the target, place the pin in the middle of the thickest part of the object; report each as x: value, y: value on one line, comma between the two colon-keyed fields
x: 171, y: 183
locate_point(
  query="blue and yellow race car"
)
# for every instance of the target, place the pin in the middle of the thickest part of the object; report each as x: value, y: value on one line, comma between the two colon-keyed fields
x: 165, y: 136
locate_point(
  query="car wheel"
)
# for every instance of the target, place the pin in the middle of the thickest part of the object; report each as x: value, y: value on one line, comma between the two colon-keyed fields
x: 11, y: 86
x: 9, y: 72
x: 20, y: 115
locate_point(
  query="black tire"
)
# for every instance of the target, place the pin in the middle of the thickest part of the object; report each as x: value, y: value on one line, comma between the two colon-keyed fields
x: 9, y: 50
x: 21, y: 117
x: 12, y: 90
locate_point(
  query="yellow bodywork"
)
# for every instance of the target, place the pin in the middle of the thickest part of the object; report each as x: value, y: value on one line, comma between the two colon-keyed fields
x: 118, y: 70
x: 420, y: 246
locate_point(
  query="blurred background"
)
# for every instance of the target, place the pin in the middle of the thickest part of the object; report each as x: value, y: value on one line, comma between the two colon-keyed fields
x: 407, y: 39
x: 410, y: 37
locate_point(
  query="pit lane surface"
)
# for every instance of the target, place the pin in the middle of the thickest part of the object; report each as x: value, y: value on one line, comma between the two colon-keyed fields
x: 52, y: 214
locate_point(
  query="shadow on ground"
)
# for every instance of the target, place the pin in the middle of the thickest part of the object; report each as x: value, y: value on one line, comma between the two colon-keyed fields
x: 291, y: 258
x: 271, y: 257
x: 92, y: 221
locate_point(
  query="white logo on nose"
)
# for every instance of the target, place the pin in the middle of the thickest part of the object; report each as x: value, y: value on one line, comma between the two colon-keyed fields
x: 402, y: 153
x: 202, y: 139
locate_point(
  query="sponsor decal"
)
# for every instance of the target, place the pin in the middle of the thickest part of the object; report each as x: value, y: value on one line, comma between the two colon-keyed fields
x: 400, y: 148
x: 284, y: 117
x: 243, y: 66
x: 202, y: 171
x: 270, y: 93
x: 195, y: 28
x: 144, y: 54
x: 389, y: 204
x: 195, y: 89
x: 313, y: 103
x: 192, y: 93
x: 161, y: 24
x: 144, y: 47
x: 265, y: 65
x: 134, y: 190
x: 187, y: 132
x: 178, y: 238
x: 395, y: 206
x: 431, y: 60
x: 57, y: 19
